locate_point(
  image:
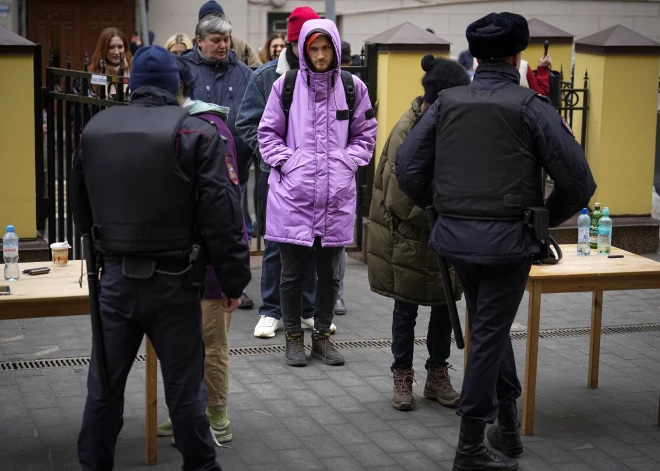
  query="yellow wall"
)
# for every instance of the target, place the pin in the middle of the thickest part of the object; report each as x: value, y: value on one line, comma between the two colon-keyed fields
x: 17, y: 190
x: 399, y: 82
x: 621, y: 128
x: 561, y: 54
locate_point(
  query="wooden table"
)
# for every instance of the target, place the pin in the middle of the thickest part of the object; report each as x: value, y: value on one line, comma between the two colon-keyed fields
x: 59, y: 294
x: 576, y: 274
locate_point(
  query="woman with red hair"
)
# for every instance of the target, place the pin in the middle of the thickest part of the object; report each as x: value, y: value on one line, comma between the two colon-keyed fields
x: 111, y: 50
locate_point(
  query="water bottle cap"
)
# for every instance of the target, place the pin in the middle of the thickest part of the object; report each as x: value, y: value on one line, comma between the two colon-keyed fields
x: 606, y: 211
x: 10, y: 228
x: 585, y: 211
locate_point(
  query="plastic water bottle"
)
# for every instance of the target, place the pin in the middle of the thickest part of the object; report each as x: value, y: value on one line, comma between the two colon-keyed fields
x: 584, y: 221
x: 10, y: 254
x: 605, y: 233
x: 593, y: 230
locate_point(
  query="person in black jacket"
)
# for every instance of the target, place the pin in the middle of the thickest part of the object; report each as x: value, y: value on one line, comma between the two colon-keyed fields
x: 477, y: 155
x: 153, y: 186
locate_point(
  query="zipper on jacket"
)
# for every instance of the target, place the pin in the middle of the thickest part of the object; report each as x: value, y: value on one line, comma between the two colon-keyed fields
x: 230, y: 92
x: 208, y: 92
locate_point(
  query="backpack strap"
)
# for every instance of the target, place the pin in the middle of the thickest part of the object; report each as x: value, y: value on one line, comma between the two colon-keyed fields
x: 349, y: 90
x: 287, y: 95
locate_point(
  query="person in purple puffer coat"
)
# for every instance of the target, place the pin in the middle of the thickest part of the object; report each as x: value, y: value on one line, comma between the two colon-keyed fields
x: 312, y: 198
x: 215, y: 321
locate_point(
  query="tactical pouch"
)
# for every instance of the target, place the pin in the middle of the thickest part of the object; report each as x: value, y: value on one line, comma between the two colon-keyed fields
x: 537, y: 221
x: 138, y: 268
x: 195, y: 275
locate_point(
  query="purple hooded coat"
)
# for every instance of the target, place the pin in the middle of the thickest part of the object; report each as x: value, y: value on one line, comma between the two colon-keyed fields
x: 312, y: 184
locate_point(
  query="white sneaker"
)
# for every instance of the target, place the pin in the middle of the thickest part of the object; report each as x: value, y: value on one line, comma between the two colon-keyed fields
x: 309, y: 324
x: 266, y: 327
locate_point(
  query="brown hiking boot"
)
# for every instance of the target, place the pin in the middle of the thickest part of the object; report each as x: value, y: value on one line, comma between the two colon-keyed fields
x: 323, y: 348
x: 295, y: 348
x: 402, y: 396
x: 438, y: 387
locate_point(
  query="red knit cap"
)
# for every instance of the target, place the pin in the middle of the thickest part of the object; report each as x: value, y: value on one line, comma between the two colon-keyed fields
x: 297, y: 19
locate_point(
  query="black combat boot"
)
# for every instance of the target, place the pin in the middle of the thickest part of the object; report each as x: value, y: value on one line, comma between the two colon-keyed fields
x: 472, y: 455
x: 506, y: 436
x: 323, y: 348
x: 295, y: 347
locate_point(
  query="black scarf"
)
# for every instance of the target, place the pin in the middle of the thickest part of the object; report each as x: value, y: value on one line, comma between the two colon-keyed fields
x: 291, y: 58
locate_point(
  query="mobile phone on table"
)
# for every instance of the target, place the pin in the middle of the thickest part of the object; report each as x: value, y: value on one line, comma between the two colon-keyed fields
x: 4, y: 290
x: 37, y: 271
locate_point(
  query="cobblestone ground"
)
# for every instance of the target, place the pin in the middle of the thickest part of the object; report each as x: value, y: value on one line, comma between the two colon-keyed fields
x: 340, y: 418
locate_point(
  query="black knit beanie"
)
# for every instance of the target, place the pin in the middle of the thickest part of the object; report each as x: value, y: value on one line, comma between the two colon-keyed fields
x: 441, y: 74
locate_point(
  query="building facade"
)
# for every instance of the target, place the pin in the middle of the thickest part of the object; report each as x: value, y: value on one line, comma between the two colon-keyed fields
x: 75, y: 23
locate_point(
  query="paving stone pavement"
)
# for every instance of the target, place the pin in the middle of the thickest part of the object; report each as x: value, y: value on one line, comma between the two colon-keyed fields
x: 340, y: 418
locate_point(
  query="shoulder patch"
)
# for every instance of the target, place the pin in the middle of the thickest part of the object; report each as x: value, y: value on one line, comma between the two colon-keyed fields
x: 231, y: 171
x: 568, y: 128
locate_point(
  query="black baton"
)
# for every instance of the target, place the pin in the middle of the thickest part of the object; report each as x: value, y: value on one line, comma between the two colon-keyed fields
x: 97, y: 335
x: 432, y: 218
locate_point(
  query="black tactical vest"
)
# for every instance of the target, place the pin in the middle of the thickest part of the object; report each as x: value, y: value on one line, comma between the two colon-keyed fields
x: 142, y: 202
x: 484, y: 167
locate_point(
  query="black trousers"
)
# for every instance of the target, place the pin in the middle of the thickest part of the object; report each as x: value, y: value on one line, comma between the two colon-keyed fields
x: 294, y: 259
x: 492, y: 294
x: 438, y: 339
x: 172, y: 319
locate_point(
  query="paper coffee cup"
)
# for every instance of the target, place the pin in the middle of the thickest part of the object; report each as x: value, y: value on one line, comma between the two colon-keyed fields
x: 60, y: 252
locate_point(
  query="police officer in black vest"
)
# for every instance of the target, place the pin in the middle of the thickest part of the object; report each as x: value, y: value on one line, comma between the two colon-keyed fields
x: 477, y: 155
x: 153, y: 187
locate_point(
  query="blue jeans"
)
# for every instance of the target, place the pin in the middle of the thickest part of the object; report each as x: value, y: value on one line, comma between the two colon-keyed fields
x: 271, y: 271
x: 438, y: 339
x: 246, y: 211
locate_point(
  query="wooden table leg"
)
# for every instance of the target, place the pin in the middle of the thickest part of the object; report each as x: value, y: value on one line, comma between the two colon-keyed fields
x: 151, y: 405
x: 531, y: 362
x: 466, y: 352
x: 594, y: 341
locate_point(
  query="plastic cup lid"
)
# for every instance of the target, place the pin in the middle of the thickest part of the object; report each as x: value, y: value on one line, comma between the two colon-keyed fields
x: 60, y: 245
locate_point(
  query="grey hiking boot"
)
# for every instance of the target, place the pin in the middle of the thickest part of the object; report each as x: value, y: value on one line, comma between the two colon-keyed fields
x: 402, y: 396
x: 323, y: 348
x: 295, y: 348
x: 438, y: 387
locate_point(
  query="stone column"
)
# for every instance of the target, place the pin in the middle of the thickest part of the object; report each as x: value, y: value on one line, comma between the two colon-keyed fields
x: 621, y: 123
x: 17, y: 134
x: 400, y: 52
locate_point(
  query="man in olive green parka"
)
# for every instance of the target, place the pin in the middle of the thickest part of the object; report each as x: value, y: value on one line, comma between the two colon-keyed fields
x: 401, y: 265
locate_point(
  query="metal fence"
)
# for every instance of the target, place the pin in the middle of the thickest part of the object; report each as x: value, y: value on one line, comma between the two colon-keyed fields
x: 72, y: 98
x: 574, y: 106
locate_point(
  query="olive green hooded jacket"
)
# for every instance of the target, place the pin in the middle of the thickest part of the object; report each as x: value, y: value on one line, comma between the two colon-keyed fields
x: 401, y: 264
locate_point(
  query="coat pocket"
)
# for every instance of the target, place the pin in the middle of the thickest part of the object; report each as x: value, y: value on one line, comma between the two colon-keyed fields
x: 290, y: 164
x: 348, y: 161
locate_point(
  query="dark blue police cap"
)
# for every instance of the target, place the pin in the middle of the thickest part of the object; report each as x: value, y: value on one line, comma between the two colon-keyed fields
x: 498, y: 35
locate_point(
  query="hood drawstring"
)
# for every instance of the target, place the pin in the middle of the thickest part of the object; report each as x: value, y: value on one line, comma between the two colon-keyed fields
x: 309, y: 90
